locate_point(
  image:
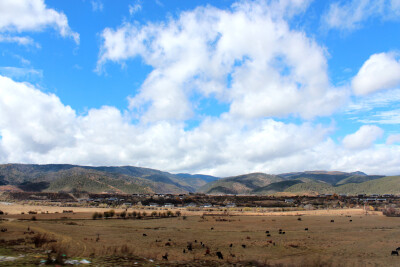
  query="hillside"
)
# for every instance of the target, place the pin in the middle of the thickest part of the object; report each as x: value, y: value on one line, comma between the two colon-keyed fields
x: 385, y: 185
x: 242, y: 184
x: 125, y: 179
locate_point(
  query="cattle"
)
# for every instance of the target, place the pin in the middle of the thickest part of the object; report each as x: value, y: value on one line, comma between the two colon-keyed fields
x: 267, y: 232
x: 230, y: 245
x: 305, y: 229
x: 184, y: 251
x: 219, y: 254
x: 212, y: 228
x: 395, y: 253
x: 299, y: 219
x: 195, y: 241
x: 165, y: 257
x: 144, y: 235
x: 3, y: 230
x: 351, y: 220
x: 283, y: 233
x: 243, y: 246
x: 207, y: 252
x: 189, y: 247
x: 332, y: 220
x: 167, y: 244
x: 398, y: 249
x: 268, y: 235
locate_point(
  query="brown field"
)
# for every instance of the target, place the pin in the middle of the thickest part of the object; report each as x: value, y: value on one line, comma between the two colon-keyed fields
x: 366, y: 241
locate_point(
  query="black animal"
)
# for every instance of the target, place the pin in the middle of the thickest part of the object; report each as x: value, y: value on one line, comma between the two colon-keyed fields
x: 268, y: 235
x: 299, y: 219
x: 398, y: 249
x: 184, y: 251
x: 283, y: 233
x: 305, y: 229
x: 243, y: 246
x: 3, y: 230
x: 167, y: 244
x: 267, y: 232
x: 165, y: 257
x: 395, y: 253
x: 212, y: 228
x: 195, y: 241
x: 332, y: 220
x: 230, y: 245
x: 219, y: 254
x: 280, y: 230
x: 351, y: 220
x: 189, y: 247
x: 144, y: 235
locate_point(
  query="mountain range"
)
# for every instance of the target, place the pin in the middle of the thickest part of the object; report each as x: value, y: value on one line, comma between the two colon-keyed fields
x: 129, y: 179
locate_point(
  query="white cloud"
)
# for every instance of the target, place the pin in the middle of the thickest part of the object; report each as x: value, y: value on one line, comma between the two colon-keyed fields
x: 392, y: 139
x: 381, y: 71
x: 97, y: 5
x: 383, y: 117
x: 136, y: 7
x: 18, y: 16
x: 16, y: 39
x: 363, y: 138
x: 349, y: 15
x: 21, y: 73
x: 36, y: 127
x: 206, y: 51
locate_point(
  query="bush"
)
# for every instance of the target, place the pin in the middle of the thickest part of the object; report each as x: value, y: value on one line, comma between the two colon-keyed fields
x: 95, y: 215
x: 154, y: 214
x: 178, y: 213
x: 33, y: 218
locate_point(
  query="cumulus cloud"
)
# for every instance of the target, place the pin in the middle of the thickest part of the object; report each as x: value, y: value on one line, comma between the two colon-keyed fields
x: 363, y: 138
x: 18, y: 16
x: 380, y: 71
x: 349, y: 15
x: 206, y: 51
x: 35, y: 127
x: 392, y: 139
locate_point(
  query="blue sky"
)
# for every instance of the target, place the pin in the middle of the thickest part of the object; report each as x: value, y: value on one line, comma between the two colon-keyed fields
x: 214, y: 87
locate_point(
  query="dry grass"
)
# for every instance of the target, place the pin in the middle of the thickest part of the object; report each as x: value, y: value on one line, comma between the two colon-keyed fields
x: 366, y: 241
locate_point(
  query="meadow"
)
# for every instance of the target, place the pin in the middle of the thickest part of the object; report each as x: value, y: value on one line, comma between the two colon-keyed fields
x: 337, y: 238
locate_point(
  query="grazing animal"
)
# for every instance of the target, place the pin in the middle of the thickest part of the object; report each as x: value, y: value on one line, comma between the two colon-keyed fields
x: 203, y: 245
x: 212, y: 228
x: 299, y: 219
x: 3, y: 230
x: 233, y: 255
x: 219, y: 254
x: 398, y: 249
x: 189, y: 247
x: 332, y: 220
x: 195, y: 241
x: 280, y: 230
x: 351, y: 220
x: 305, y: 229
x: 184, y: 251
x: 167, y: 244
x: 267, y: 232
x: 395, y: 253
x: 268, y: 235
x: 165, y: 257
x: 243, y: 246
x: 283, y: 233
x: 230, y: 245
x: 144, y: 235
x: 169, y: 240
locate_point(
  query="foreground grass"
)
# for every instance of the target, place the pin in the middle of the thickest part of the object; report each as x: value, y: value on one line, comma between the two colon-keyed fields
x: 366, y: 241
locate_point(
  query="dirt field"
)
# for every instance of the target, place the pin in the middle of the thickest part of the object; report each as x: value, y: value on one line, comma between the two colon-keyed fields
x: 366, y: 241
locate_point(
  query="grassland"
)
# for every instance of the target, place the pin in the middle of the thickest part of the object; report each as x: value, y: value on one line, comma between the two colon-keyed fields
x: 366, y: 241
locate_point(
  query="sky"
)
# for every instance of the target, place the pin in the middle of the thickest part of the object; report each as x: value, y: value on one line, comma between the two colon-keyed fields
x: 214, y: 87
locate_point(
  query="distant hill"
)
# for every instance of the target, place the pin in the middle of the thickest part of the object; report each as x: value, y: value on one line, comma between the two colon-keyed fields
x: 130, y: 179
x: 125, y: 179
x: 242, y: 184
x: 384, y: 185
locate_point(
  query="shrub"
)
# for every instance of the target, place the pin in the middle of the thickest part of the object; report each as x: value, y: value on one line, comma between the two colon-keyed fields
x: 154, y: 214
x: 95, y: 216
x: 178, y: 213
x: 170, y: 213
x: 33, y: 218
